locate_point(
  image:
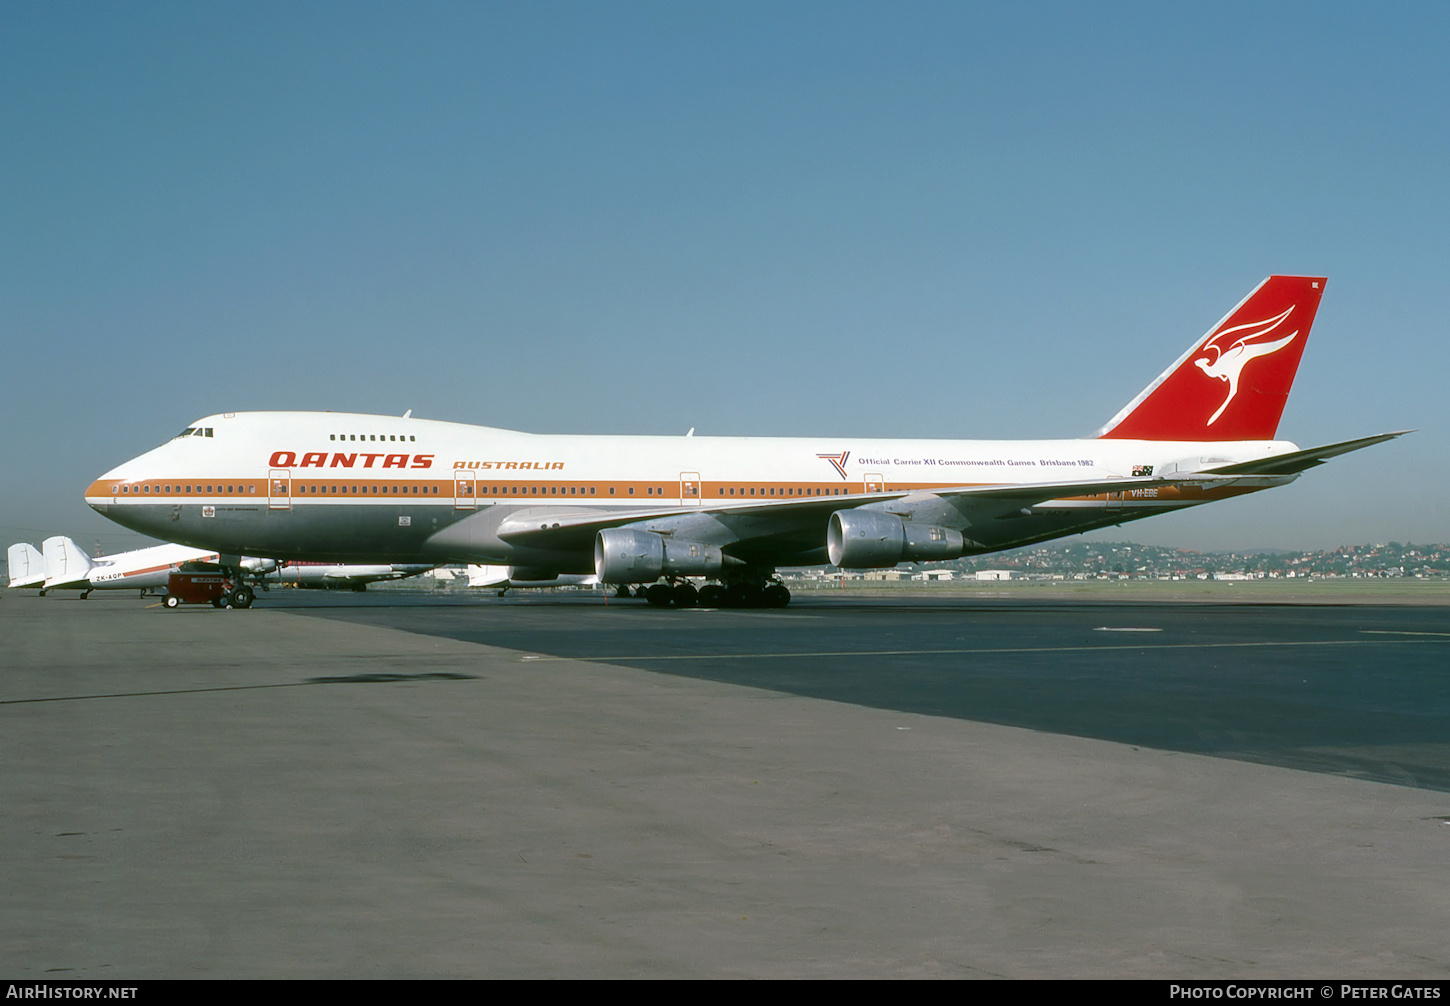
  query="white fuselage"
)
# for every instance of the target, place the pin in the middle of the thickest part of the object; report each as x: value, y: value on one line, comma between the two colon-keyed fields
x: 359, y: 488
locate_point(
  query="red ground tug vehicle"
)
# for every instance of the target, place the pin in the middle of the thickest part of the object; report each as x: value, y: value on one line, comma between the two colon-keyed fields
x: 202, y: 587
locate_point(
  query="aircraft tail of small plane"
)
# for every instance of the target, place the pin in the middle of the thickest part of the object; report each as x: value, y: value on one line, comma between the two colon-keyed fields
x: 66, y: 563
x: 1233, y: 383
x: 26, y: 565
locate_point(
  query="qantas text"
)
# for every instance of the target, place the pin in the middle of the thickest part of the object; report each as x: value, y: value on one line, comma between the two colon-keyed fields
x: 319, y: 459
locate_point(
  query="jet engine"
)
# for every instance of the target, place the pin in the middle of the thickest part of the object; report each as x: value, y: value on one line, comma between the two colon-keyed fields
x: 625, y: 556
x: 259, y: 566
x: 869, y: 539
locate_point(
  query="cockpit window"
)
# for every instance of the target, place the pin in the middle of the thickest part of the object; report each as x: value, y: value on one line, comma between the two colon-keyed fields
x: 185, y: 433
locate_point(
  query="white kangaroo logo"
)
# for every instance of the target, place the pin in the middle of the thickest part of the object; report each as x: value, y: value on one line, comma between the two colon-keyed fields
x: 1229, y: 354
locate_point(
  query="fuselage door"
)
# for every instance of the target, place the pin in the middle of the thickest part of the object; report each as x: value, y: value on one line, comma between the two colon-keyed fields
x: 689, y: 488
x: 279, y: 489
x: 465, y: 490
x: 875, y: 483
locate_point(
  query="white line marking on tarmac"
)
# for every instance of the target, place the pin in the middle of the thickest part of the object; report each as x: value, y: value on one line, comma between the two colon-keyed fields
x: 1123, y: 628
x: 1402, y: 632
x: 984, y: 651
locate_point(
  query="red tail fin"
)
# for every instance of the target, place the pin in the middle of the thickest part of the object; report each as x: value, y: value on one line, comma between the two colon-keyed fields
x: 1232, y: 385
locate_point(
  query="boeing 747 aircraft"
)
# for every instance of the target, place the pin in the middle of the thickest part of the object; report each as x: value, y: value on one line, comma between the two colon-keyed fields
x: 658, y: 510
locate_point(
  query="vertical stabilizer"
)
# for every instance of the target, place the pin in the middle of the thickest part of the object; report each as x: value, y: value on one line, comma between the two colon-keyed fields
x: 1233, y: 383
x: 26, y: 565
x: 66, y: 564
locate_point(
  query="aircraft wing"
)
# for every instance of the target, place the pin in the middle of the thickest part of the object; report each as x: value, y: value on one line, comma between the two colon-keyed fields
x: 1298, y: 461
x: 575, y: 528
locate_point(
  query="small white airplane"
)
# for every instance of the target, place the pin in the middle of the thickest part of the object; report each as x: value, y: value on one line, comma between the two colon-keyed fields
x: 68, y: 567
x: 352, y: 576
x: 64, y: 565
x: 505, y: 578
x: 334, y: 487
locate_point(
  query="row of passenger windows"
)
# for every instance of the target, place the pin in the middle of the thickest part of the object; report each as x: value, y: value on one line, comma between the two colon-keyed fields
x: 375, y: 490
x: 463, y: 489
x: 227, y: 490
x: 772, y: 491
x: 367, y: 436
x: 466, y: 489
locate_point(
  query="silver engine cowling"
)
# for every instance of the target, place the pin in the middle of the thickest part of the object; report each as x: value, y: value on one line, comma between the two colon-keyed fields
x: 625, y: 556
x: 869, y: 539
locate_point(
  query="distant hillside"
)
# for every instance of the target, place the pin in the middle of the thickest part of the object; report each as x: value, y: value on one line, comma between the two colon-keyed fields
x: 1127, y: 559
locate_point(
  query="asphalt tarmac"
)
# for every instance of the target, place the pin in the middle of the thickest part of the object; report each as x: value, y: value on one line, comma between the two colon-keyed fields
x: 389, y: 785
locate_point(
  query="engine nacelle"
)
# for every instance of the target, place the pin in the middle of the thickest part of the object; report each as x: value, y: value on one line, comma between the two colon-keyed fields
x: 625, y: 556
x: 869, y: 539
x: 252, y: 565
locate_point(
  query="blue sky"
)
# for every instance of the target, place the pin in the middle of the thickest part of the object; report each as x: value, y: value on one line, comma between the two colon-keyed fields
x: 934, y: 220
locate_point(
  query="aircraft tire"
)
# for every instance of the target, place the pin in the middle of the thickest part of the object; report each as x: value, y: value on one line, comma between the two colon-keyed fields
x: 741, y: 595
x: 171, y: 600
x: 775, y: 596
x: 712, y: 595
x: 685, y: 595
x: 659, y: 595
x: 242, y: 597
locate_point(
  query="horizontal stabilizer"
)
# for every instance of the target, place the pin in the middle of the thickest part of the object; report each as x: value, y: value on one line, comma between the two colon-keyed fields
x: 1299, y: 461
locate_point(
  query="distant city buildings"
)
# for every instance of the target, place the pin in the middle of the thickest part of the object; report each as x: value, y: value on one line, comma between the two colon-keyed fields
x: 1127, y: 561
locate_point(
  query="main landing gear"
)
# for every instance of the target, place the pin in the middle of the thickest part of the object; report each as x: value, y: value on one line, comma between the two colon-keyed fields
x: 238, y: 597
x: 732, y: 594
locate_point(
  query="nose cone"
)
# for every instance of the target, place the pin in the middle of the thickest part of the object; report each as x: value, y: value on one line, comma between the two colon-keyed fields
x: 117, y: 495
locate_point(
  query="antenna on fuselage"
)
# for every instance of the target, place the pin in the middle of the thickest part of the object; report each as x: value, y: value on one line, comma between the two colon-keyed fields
x: 408, y: 414
x: 691, y: 433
